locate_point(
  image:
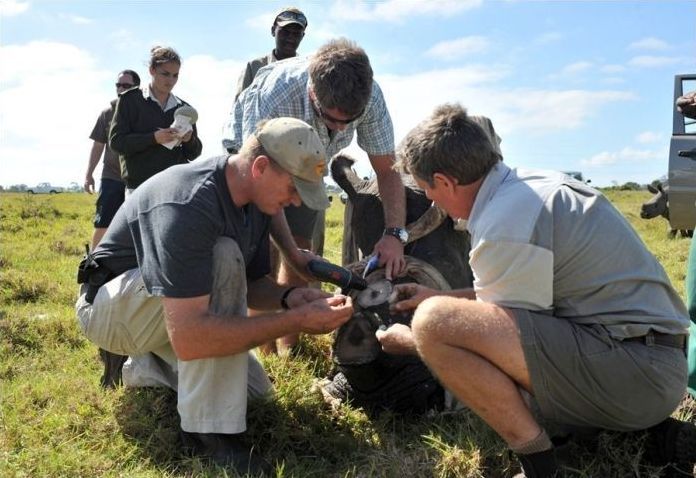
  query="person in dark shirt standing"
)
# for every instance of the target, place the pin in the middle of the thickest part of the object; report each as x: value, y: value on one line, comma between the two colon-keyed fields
x: 141, y: 126
x: 288, y: 29
x: 111, y: 188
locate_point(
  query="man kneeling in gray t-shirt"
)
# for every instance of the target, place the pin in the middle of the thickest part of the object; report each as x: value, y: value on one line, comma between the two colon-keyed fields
x: 182, y: 259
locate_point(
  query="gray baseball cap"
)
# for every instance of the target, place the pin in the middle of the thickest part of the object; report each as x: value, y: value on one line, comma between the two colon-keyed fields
x: 295, y: 146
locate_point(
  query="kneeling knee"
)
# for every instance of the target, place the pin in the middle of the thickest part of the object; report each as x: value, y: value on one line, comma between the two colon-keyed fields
x: 429, y: 319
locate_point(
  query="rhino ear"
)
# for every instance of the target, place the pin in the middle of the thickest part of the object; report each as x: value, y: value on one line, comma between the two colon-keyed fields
x: 343, y: 174
x: 652, y: 189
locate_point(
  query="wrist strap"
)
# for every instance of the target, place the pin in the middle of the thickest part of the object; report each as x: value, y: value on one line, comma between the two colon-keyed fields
x: 284, y: 298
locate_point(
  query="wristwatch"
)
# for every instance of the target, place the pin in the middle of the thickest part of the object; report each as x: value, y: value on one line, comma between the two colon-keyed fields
x: 399, y: 232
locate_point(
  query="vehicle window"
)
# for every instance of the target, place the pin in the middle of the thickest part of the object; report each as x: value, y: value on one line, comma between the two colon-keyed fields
x: 689, y: 85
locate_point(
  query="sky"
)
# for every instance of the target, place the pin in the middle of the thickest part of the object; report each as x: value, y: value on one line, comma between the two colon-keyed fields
x: 569, y: 85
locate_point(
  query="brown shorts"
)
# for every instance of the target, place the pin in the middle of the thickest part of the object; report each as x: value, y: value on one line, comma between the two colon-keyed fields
x: 583, y: 377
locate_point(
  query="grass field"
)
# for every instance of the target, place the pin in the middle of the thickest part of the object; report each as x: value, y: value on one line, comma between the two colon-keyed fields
x: 55, y: 420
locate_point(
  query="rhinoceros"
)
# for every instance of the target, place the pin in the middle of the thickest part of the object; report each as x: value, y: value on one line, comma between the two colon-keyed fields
x: 437, y: 256
x: 658, y: 205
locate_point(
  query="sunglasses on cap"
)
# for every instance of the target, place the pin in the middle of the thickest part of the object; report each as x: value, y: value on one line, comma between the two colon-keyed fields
x: 325, y: 116
x: 124, y: 85
x: 290, y: 16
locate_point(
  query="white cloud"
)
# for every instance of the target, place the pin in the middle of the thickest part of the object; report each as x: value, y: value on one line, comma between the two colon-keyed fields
x: 76, y: 19
x: 625, y: 155
x: 263, y: 21
x: 576, y: 68
x: 209, y: 85
x: 54, y: 147
x: 10, y: 8
x: 124, y: 39
x: 458, y: 48
x: 398, y: 10
x: 647, y: 61
x: 56, y: 58
x: 514, y: 111
x: 647, y: 137
x: 649, y: 43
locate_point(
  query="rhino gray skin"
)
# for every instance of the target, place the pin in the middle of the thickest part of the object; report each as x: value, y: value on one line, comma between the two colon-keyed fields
x: 444, y: 248
x: 364, y: 373
x: 658, y: 205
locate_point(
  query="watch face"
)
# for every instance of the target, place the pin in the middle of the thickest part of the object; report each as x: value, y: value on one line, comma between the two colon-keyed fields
x: 403, y: 235
x: 399, y: 233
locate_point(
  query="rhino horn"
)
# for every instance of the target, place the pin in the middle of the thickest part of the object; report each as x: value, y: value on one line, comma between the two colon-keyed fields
x: 427, y: 223
x: 342, y: 172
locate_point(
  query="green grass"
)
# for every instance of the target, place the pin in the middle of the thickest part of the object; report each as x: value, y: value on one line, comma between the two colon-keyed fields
x: 55, y: 420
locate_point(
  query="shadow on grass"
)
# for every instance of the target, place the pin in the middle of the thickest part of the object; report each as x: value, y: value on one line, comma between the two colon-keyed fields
x: 296, y: 438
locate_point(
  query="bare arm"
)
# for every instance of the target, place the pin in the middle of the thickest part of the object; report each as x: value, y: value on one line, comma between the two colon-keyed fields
x: 406, y: 297
x: 196, y: 333
x: 391, y: 189
x: 94, y: 156
x: 282, y: 238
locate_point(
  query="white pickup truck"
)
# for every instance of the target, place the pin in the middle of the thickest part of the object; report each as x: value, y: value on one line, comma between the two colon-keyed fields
x: 45, y: 188
x: 682, y: 161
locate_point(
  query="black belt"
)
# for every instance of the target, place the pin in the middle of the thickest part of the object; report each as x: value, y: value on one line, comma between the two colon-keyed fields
x: 658, y: 338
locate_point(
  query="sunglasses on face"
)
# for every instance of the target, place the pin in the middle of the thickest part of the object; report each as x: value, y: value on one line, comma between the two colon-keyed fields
x: 124, y: 85
x: 325, y: 116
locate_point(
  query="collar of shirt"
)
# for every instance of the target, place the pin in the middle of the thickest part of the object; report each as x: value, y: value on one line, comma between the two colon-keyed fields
x: 172, y: 101
x: 495, y: 177
x: 272, y: 58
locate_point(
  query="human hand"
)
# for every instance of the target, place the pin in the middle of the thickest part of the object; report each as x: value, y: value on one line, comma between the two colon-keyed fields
x: 391, y: 256
x: 166, y: 135
x: 323, y: 315
x: 686, y: 105
x: 298, y: 259
x: 406, y: 297
x: 187, y: 137
x: 89, y: 184
x: 304, y: 295
x: 397, y: 340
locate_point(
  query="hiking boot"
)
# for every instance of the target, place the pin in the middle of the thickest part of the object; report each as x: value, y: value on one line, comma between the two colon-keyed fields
x: 672, y: 442
x: 538, y: 465
x: 225, y: 450
x: 113, y: 365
